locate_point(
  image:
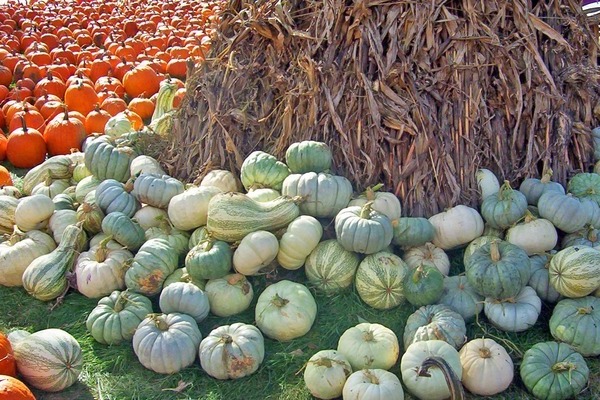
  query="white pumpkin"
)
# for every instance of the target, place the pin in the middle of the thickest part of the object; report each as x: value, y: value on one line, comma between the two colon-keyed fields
x: 58, y: 222
x: 285, y: 310
x: 18, y: 251
x: 255, y: 251
x: 369, y: 346
x: 384, y: 202
x: 515, y: 314
x: 326, y: 373
x: 11, y: 191
x: 487, y: 369
x: 373, y: 384
x: 101, y: 270
x: 223, y: 179
x: 432, y: 386
x: 534, y: 235
x: 150, y: 217
x: 301, y: 237
x: 263, y: 195
x: 189, y: 210
x: 428, y: 254
x: 229, y: 295
x: 456, y: 226
x: 33, y: 212
x: 145, y: 165
x: 487, y: 182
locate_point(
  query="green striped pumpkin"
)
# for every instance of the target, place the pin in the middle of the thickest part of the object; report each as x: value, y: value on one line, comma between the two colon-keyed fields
x: 50, y: 359
x: 231, y: 216
x: 45, y: 278
x: 105, y: 160
x: 423, y: 285
x: 262, y: 170
x: 575, y: 322
x: 324, y: 195
x: 57, y: 167
x: 308, y: 156
x: 124, y: 230
x: 435, y: 322
x: 379, y: 278
x: 575, y: 271
x: 585, y: 185
x: 330, y: 267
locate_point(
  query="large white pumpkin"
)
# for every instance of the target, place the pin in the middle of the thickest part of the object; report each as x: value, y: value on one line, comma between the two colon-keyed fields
x: 326, y: 373
x: 373, y: 384
x: 487, y: 369
x: 456, y: 226
x: 369, y: 346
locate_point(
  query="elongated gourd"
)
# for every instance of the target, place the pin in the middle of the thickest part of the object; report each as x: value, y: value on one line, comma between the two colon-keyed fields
x: 231, y: 216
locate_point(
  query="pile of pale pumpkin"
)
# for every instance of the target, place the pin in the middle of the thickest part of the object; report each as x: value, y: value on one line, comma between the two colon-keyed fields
x: 112, y: 224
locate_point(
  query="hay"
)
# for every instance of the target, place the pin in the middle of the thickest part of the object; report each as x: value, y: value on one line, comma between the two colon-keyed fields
x: 415, y: 94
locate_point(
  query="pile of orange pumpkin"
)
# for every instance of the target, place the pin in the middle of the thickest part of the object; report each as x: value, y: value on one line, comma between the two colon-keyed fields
x: 67, y: 67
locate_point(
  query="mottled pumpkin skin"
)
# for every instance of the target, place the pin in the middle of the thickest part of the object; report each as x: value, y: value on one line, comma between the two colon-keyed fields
x: 262, y: 170
x: 412, y: 232
x: 576, y: 322
x: 153, y: 262
x: 504, y: 208
x: 585, y: 185
x: 308, y: 156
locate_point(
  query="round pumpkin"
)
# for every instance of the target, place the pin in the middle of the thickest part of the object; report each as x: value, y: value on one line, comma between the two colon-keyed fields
x: 379, y: 280
x: 566, y: 212
x: 362, y: 230
x: 412, y: 232
x: 324, y: 195
x: 575, y: 322
x: 221, y: 179
x: 25, y: 147
x: 534, y: 188
x: 514, y: 314
x: 13, y: 389
x: 534, y: 235
x: 308, y: 156
x: 232, y: 351
x: 487, y: 369
x: 330, y: 267
x: 154, y: 261
x: 369, y: 345
x: 423, y: 285
x: 386, y: 203
x: 8, y: 365
x: 156, y: 190
x: 435, y: 322
x: 256, y: 251
x: 124, y: 230
x: 209, y: 260
x: 430, y: 254
x: 585, y: 185
x: 456, y: 227
x: 373, y: 384
x: 262, y: 170
x: 325, y: 374
x: 459, y: 295
x: 300, y: 238
x: 229, y: 295
x: 540, y: 278
x: 189, y: 210
x: 504, y: 208
x: 285, y: 310
x: 186, y: 298
x: 575, y: 271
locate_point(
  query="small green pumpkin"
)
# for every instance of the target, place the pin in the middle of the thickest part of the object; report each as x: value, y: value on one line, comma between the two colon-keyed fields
x: 540, y: 278
x: 112, y: 195
x: 459, y: 295
x: 124, y: 230
x: 154, y: 261
x: 435, y: 322
x: 363, y: 230
x: 423, y: 285
x: 412, y: 232
x: 186, y: 298
x: 504, y: 208
x: 308, y: 156
x: 209, y: 260
x: 585, y: 185
x: 262, y: 170
x: 576, y: 322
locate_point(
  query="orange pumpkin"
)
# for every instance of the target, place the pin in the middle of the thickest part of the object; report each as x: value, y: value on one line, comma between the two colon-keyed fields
x: 142, y: 107
x: 8, y: 365
x: 13, y: 389
x: 50, y: 85
x: 63, y: 134
x: 81, y: 97
x: 33, y: 118
x: 96, y: 120
x: 26, y: 147
x: 142, y: 80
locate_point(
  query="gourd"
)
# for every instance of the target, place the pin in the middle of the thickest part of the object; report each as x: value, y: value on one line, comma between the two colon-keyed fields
x: 505, y: 208
x: 430, y: 254
x: 186, y: 298
x: 534, y: 188
x: 487, y: 182
x: 209, y: 259
x: 285, y: 310
x: 308, y: 156
x: 412, y: 232
x: 255, y: 251
x: 229, y: 295
x: 487, y: 369
x: 91, y: 217
x: 112, y: 196
x: 116, y: 317
x: 105, y: 160
x: 565, y: 211
x: 50, y: 359
x: 154, y: 261
x: 378, y: 280
x: 498, y: 269
x: 363, y: 230
x: 435, y: 322
x: 534, y: 235
x: 575, y: 322
x: 231, y: 216
x: 552, y: 370
x: 369, y: 345
x: 459, y: 295
x: 300, y: 238
x: 456, y: 226
x: 33, y: 212
x: 575, y: 271
x: 432, y: 385
x: 373, y: 384
x: 515, y: 314
x: 262, y: 170
x: 189, y: 210
x: 326, y: 373
x: 156, y: 190
x: 323, y: 195
x: 222, y: 179
x: 18, y: 251
x: 423, y: 285
x: 101, y: 270
x: 45, y: 278
x: 232, y: 351
x: 167, y: 343
x: 56, y: 167
x: 331, y: 268
x: 124, y: 230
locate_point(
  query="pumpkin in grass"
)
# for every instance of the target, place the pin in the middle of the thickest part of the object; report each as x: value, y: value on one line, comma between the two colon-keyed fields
x: 326, y: 373
x: 25, y: 147
x: 367, y: 345
x: 63, y: 134
x: 5, y: 177
x: 374, y: 383
x: 7, y: 358
x: 13, y: 389
x: 487, y: 369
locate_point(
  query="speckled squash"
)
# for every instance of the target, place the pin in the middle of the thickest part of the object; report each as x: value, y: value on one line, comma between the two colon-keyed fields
x: 18, y: 251
x: 423, y: 285
x: 575, y: 271
x: 330, y: 267
x: 379, y: 279
x: 428, y: 254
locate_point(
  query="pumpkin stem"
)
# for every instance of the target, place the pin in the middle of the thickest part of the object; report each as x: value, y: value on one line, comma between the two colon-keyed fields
x: 102, y: 251
x: 529, y: 217
x: 505, y: 190
x: 592, y: 234
x: 234, y: 279
x: 584, y: 310
x: 278, y: 301
x: 484, y: 352
x: 226, y: 339
x: 456, y: 389
x: 419, y: 273
x: 23, y: 124
x: 121, y: 301
x: 563, y: 366
x: 372, y: 377
x: 546, y: 175
x: 323, y: 362
x: 368, y: 336
x: 495, y: 251
x: 159, y: 321
x: 365, y: 212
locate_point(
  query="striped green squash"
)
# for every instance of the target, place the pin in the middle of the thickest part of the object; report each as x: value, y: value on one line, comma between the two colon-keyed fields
x: 50, y: 359
x: 231, y: 216
x: 575, y: 271
x: 45, y: 278
x: 330, y: 267
x: 57, y: 167
x: 379, y: 278
x: 124, y: 230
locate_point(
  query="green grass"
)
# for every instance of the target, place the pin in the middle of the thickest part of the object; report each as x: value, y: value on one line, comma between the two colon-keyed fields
x: 113, y: 372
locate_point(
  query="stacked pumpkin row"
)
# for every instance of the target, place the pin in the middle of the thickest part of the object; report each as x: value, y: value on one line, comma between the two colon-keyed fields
x: 223, y: 236
x: 97, y: 60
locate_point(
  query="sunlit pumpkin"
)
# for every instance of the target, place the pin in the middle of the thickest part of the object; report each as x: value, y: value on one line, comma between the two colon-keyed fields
x: 26, y: 147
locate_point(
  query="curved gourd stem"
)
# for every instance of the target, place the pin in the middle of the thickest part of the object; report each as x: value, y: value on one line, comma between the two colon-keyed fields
x: 456, y: 389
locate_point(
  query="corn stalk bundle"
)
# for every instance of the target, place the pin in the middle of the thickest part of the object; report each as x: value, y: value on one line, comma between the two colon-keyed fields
x: 415, y: 94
